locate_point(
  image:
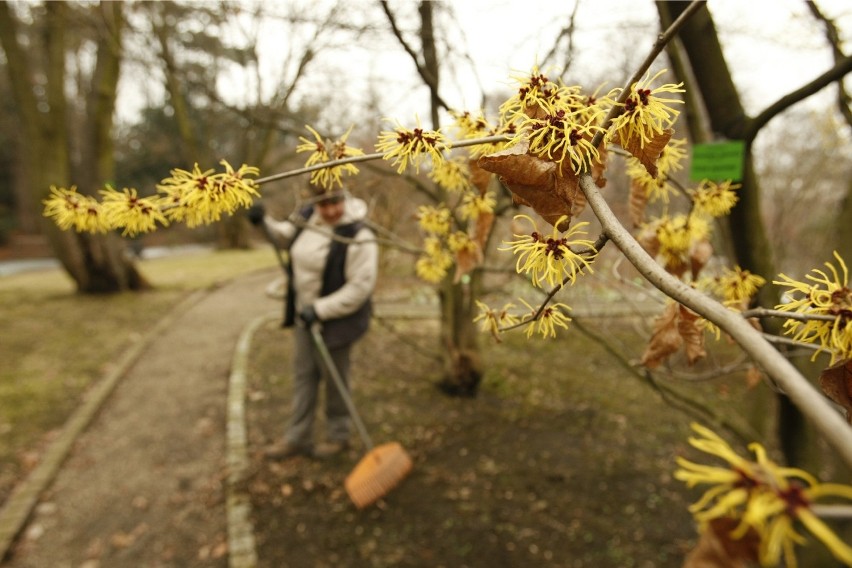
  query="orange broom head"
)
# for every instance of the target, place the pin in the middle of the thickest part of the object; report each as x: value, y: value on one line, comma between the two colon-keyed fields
x: 377, y: 473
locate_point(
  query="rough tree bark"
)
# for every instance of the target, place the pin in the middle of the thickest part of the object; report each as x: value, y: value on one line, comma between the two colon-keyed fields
x: 750, y: 244
x: 96, y: 264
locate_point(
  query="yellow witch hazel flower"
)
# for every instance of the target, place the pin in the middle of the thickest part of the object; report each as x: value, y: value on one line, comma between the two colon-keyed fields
x: 460, y: 241
x: 469, y: 126
x: 715, y: 200
x: 737, y: 287
x: 768, y: 499
x: 200, y: 197
x: 677, y: 234
x: 550, y: 258
x: 405, y: 147
x: 323, y: 151
x: 435, y: 262
x: 453, y: 175
x: 72, y: 210
x: 473, y: 205
x: 536, y: 94
x: 551, y: 317
x: 659, y: 188
x: 830, y: 299
x: 494, y: 321
x: 434, y: 220
x: 563, y: 135
x: 134, y: 214
x: 647, y: 112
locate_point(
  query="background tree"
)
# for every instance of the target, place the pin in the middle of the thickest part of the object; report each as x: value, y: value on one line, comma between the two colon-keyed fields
x: 38, y: 77
x: 750, y: 241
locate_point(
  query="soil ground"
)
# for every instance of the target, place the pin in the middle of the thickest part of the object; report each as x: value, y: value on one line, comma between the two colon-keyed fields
x: 562, y: 459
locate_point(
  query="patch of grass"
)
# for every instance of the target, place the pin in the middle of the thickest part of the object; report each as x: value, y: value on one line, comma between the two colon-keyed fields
x: 55, y: 343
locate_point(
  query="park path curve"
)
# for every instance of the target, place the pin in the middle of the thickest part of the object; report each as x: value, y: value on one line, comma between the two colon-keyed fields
x: 146, y: 483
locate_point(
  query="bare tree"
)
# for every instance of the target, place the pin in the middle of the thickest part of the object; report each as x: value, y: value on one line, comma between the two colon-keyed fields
x: 38, y: 77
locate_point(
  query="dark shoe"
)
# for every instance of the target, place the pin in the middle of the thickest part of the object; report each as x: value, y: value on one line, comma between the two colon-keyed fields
x: 285, y: 450
x: 330, y: 449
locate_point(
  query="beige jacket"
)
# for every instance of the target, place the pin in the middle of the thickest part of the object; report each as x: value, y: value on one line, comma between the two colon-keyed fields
x: 308, y: 256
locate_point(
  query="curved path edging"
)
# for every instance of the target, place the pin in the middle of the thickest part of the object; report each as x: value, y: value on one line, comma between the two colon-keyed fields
x: 242, y: 552
x: 20, y: 504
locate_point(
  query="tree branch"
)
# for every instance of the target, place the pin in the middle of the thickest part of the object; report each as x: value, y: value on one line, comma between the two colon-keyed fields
x: 812, y: 404
x: 833, y: 37
x: 424, y: 73
x: 836, y: 73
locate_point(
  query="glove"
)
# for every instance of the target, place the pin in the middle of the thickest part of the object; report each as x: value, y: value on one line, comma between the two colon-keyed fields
x: 308, y: 315
x: 303, y: 215
x: 256, y: 213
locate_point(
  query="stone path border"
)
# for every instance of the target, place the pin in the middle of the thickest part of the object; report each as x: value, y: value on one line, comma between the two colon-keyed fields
x: 241, y: 544
x: 20, y: 504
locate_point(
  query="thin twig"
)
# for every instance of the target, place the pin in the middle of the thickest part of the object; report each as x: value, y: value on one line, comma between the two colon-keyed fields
x: 370, y: 157
x: 768, y: 313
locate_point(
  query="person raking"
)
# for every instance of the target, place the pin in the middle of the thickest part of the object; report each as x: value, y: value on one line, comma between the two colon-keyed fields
x: 333, y: 264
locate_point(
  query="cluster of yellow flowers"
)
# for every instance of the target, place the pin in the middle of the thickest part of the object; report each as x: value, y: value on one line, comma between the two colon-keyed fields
x: 767, y: 499
x: 405, y: 147
x: 326, y: 151
x: 194, y: 197
x: 829, y: 298
x: 659, y: 188
x: 647, y: 113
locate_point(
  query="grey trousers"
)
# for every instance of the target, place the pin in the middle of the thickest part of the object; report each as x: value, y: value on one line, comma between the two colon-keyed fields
x: 309, y: 371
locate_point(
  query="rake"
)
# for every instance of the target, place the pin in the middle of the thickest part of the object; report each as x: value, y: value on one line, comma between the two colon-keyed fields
x: 384, y: 466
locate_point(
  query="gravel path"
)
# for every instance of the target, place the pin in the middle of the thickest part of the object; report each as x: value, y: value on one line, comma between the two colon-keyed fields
x: 145, y: 483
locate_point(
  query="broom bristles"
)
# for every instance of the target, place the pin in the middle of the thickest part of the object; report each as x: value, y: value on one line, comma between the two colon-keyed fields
x: 377, y: 473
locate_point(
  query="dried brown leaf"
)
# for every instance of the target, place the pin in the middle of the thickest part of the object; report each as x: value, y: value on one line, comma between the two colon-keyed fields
x: 754, y: 376
x: 466, y: 260
x: 836, y: 383
x: 699, y: 256
x: 649, y: 241
x: 478, y: 177
x: 676, y: 266
x: 650, y: 152
x: 666, y: 339
x: 482, y: 229
x: 692, y: 334
x: 535, y: 182
x: 716, y: 548
x: 599, y: 167
x: 637, y: 202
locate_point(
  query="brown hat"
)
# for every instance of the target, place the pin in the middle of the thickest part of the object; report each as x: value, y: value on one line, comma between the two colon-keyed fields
x: 323, y: 195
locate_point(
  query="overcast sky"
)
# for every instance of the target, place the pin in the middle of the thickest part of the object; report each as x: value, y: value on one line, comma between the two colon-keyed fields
x: 773, y: 47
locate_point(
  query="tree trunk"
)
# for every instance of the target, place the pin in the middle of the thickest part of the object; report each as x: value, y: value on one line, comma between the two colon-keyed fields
x: 461, y: 353
x: 95, y: 263
x: 459, y: 336
x: 750, y: 243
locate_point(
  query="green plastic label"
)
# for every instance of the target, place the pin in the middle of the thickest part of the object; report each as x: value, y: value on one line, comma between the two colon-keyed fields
x: 718, y: 161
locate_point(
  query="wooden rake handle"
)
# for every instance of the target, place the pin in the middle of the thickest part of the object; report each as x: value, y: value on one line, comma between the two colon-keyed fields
x: 338, y: 382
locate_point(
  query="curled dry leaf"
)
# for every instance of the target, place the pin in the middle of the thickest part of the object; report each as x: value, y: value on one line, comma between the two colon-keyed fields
x: 482, y: 229
x: 637, y: 202
x: 677, y: 326
x: 535, y: 182
x: 466, y: 260
x: 754, y: 376
x: 699, y: 255
x: 836, y: 383
x: 692, y: 333
x: 650, y: 152
x: 649, y: 241
x: 717, y: 549
x: 665, y: 341
x: 478, y: 177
